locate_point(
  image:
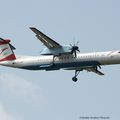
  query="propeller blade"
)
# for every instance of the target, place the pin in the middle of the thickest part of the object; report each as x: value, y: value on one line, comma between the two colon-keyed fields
x: 74, y: 49
x: 71, y: 45
x: 75, y: 54
x: 77, y: 43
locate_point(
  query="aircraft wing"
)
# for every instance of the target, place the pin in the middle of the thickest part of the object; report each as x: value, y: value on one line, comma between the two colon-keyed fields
x: 48, y: 42
x: 94, y: 70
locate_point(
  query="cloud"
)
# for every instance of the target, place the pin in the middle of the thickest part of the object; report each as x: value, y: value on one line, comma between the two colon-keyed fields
x: 20, y: 88
x: 5, y: 115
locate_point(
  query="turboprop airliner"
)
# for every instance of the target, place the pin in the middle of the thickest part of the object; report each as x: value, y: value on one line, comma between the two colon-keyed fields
x: 56, y: 57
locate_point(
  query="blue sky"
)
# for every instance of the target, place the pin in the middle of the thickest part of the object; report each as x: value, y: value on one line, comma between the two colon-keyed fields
x: 28, y: 95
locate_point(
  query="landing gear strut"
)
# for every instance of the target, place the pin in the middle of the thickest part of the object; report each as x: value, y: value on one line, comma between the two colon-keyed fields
x: 75, y: 77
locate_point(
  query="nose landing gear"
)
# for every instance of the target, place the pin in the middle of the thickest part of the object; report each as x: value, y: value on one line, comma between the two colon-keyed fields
x: 76, y: 74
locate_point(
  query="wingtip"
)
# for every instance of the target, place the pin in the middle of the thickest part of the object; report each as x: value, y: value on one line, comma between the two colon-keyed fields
x: 35, y: 30
x: 32, y: 28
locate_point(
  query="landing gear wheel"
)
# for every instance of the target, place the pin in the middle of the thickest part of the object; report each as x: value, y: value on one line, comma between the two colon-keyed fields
x: 74, y: 79
x: 76, y: 74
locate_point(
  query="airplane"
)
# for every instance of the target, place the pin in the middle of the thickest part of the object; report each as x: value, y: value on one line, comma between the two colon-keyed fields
x: 56, y: 57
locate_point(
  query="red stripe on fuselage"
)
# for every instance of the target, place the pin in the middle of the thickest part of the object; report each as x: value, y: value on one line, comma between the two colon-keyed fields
x: 10, y: 57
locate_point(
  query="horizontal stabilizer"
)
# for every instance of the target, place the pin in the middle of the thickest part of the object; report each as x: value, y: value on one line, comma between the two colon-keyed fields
x: 6, y: 41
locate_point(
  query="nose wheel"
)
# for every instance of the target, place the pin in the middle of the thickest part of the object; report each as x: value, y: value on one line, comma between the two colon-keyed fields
x: 75, y: 77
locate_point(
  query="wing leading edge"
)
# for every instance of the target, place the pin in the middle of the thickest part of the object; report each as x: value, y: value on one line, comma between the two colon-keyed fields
x: 48, y: 42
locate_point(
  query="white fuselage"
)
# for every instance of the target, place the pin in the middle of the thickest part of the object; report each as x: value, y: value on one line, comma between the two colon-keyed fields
x: 68, y: 62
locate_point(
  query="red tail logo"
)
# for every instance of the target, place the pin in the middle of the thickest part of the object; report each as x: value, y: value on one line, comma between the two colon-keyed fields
x: 3, y: 50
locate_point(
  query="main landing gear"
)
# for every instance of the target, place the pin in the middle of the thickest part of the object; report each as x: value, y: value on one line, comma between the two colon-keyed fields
x: 76, y: 74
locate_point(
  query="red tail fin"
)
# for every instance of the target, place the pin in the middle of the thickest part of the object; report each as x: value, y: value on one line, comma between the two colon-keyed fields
x: 6, y: 50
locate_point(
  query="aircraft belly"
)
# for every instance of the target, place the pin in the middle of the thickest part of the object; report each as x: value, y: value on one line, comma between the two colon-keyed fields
x: 77, y: 64
x: 58, y: 66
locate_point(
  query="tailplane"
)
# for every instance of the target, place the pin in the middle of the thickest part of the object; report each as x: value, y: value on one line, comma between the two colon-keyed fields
x: 6, y: 50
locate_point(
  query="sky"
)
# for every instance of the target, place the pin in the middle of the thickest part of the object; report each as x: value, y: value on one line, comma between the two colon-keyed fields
x: 41, y: 95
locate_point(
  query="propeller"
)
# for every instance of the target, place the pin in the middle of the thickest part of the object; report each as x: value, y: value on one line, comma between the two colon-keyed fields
x: 74, y: 49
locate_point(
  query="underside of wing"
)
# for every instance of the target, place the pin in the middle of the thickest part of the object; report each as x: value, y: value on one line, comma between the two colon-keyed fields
x: 48, y: 42
x: 95, y: 70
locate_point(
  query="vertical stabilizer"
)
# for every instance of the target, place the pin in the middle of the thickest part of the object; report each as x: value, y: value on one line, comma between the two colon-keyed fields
x: 6, y: 50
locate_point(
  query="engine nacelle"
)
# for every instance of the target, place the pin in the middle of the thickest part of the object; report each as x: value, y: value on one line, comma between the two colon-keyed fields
x: 56, y: 51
